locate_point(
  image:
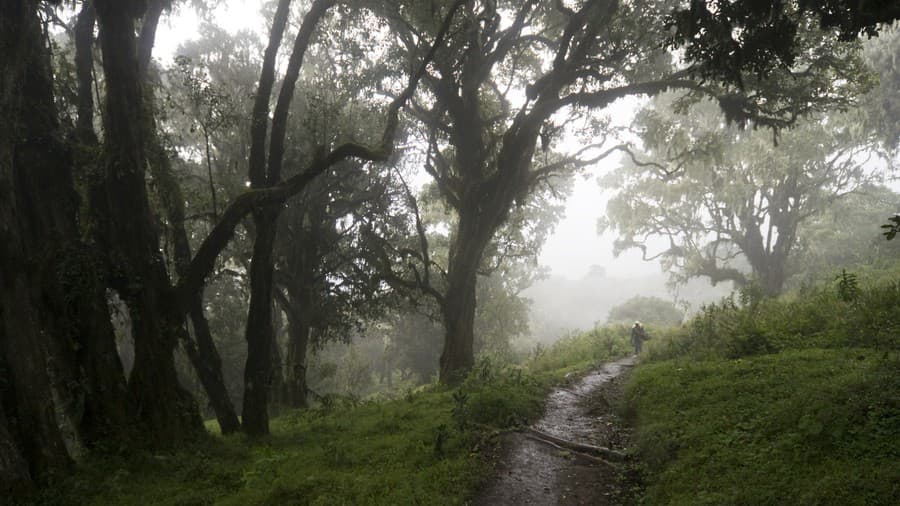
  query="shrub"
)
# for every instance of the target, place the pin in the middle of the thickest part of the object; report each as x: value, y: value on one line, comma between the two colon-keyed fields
x: 845, y: 313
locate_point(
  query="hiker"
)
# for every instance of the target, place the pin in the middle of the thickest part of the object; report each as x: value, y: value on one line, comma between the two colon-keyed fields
x: 638, y: 336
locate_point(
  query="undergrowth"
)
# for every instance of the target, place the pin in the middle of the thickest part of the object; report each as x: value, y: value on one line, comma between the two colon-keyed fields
x: 794, y: 400
x: 841, y: 314
x: 426, y: 446
x: 801, y: 427
x: 578, y: 351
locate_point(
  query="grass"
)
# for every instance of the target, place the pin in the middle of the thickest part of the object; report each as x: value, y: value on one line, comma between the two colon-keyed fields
x: 425, y: 447
x: 397, y: 452
x: 811, y: 426
x: 578, y: 352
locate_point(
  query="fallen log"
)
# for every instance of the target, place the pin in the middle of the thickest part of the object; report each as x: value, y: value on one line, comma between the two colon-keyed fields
x: 587, y: 449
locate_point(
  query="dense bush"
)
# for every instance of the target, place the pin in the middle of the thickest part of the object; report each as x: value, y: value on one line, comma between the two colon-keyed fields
x: 845, y: 313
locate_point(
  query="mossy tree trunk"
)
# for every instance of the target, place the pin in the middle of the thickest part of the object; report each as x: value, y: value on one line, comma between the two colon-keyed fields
x: 131, y: 240
x: 61, y: 382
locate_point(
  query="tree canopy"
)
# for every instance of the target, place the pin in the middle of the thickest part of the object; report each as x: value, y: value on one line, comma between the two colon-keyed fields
x: 723, y: 198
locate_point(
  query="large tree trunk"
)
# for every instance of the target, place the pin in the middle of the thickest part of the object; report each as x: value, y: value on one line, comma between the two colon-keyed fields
x: 27, y: 143
x: 167, y: 411
x: 259, y: 332
x: 297, y: 308
x: 482, y: 210
x: 107, y: 408
x: 61, y: 382
x: 770, y: 273
x: 458, y: 307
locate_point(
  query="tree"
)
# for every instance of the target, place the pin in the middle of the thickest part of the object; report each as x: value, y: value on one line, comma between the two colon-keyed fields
x: 63, y: 384
x: 845, y: 235
x: 563, y: 62
x: 721, y: 197
x: 652, y: 310
x: 61, y: 381
x: 326, y: 285
x: 881, y: 108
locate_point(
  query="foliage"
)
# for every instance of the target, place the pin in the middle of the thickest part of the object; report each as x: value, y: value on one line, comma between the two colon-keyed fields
x: 502, y: 314
x: 727, y: 200
x: 845, y: 234
x: 851, y: 311
x: 882, y: 107
x: 425, y: 447
x: 578, y: 351
x: 800, y: 427
x: 730, y: 38
x: 892, y: 228
x: 652, y: 310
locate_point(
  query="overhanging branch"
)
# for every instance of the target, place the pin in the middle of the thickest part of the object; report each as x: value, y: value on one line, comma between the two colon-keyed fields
x: 204, y: 260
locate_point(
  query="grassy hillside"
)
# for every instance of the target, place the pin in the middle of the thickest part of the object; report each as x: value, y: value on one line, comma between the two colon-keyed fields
x: 789, y: 401
x: 800, y: 427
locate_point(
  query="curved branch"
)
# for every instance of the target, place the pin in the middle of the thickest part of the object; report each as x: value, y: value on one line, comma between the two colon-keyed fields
x: 260, y: 116
x: 204, y: 260
x: 285, y: 96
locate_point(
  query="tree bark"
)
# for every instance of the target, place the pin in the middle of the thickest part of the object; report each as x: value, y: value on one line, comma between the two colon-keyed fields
x: 297, y: 308
x: 62, y: 383
x: 26, y: 386
x: 166, y: 410
x: 199, y: 346
x: 458, y: 307
x: 259, y: 332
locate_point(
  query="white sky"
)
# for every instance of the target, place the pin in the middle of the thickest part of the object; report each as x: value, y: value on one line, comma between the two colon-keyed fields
x: 574, y: 245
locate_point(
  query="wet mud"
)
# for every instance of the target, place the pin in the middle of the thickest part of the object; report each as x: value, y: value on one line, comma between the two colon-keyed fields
x: 530, y: 470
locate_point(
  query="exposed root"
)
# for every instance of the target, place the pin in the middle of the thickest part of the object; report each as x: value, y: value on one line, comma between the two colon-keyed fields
x: 582, y: 455
x: 598, y: 451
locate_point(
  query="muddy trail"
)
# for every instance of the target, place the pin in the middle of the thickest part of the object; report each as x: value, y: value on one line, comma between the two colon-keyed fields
x: 574, y: 454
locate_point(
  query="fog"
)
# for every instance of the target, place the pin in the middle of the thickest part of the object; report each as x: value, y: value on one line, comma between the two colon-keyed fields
x: 560, y: 305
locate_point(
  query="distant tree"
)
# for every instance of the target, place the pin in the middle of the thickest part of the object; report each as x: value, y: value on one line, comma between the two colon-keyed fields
x: 725, y: 198
x: 501, y: 317
x: 881, y: 108
x: 414, y: 344
x: 651, y: 310
x: 846, y: 235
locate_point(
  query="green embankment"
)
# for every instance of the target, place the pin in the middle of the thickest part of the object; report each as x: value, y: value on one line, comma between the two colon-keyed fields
x: 789, y: 401
x: 424, y: 447
x: 799, y: 427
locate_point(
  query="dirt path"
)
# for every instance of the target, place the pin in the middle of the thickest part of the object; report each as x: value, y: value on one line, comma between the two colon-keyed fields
x: 532, y: 472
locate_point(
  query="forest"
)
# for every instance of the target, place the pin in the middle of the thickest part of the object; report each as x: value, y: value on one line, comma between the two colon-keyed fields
x: 299, y: 262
